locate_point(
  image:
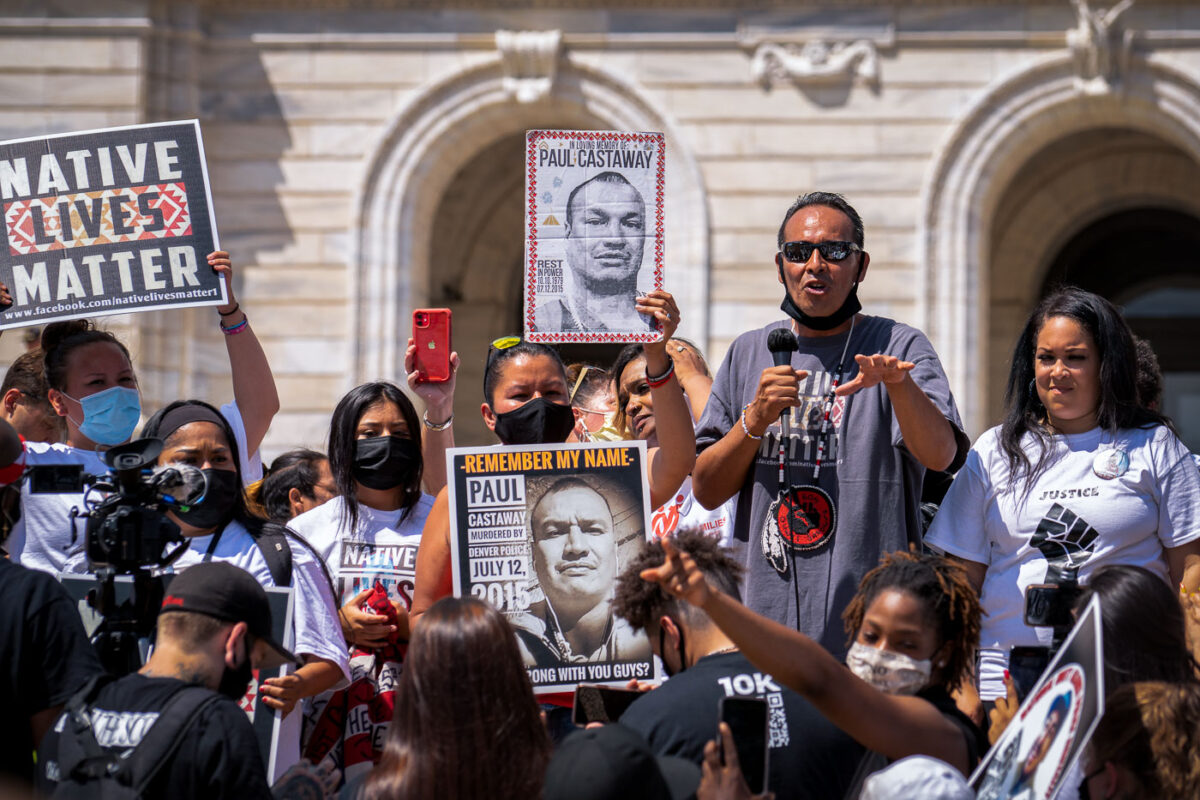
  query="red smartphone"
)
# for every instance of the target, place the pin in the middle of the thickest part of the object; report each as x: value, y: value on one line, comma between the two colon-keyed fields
x: 431, y: 335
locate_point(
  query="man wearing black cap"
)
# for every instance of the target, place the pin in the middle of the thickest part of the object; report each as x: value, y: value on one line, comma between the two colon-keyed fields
x: 214, y: 629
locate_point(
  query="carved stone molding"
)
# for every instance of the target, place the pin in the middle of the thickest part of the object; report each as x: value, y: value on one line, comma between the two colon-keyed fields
x: 530, y: 62
x: 816, y: 63
x: 1101, y: 46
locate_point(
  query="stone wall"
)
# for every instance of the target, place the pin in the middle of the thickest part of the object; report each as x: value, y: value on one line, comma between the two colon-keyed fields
x: 334, y: 131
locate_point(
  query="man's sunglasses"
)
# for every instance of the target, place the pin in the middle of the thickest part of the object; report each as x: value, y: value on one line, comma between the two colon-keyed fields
x: 801, y: 252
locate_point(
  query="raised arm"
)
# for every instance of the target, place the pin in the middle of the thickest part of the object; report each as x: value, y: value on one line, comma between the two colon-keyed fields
x: 672, y: 461
x: 927, y: 434
x: 433, y: 559
x: 721, y: 469
x: 437, y: 419
x: 892, y: 725
x: 253, y: 384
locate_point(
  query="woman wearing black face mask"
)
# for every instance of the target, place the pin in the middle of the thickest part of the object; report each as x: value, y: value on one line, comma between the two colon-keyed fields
x: 368, y: 535
x: 370, y: 532
x: 220, y: 528
x: 527, y: 401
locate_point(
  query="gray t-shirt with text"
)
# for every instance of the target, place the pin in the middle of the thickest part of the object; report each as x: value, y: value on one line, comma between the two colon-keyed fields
x: 866, y: 501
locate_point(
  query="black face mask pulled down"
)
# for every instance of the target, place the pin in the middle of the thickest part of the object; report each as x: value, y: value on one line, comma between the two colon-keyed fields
x: 537, y: 422
x: 850, y: 306
x: 385, y: 462
x: 236, y: 680
x: 216, y: 509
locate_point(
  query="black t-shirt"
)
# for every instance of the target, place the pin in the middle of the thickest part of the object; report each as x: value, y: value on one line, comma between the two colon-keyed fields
x: 46, y: 657
x: 809, y: 756
x: 217, y: 758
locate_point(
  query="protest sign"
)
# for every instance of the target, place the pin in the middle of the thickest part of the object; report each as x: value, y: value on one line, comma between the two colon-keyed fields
x: 542, y: 532
x: 1048, y: 734
x: 106, y: 222
x: 594, y: 234
x: 265, y: 721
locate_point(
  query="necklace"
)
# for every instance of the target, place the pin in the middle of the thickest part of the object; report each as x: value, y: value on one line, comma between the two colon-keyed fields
x: 829, y: 401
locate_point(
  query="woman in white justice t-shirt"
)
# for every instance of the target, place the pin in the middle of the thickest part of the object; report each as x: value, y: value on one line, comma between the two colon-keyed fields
x: 1078, y: 476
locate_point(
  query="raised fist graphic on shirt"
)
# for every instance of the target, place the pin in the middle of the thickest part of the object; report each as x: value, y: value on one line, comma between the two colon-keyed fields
x: 1065, y: 539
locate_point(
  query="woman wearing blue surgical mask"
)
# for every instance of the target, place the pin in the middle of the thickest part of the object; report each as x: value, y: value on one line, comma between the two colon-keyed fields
x: 93, y: 387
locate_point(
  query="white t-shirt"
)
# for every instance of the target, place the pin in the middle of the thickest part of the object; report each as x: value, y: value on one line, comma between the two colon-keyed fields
x: 1071, y: 517
x: 382, y: 547
x: 42, y: 538
x: 683, y: 511
x: 315, y: 626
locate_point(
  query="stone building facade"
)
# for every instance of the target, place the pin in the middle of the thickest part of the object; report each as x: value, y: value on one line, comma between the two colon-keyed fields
x: 365, y: 158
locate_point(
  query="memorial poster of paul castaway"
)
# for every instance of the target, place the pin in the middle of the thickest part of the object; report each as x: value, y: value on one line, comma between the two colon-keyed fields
x: 594, y: 234
x: 542, y: 532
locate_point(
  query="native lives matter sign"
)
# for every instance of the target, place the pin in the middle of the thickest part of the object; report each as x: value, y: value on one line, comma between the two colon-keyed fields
x: 106, y: 222
x: 593, y: 234
x: 542, y: 532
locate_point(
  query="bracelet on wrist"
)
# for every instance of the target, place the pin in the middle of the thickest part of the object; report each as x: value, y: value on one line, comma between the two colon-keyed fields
x: 655, y: 381
x: 437, y: 426
x: 236, y: 308
x: 745, y: 427
x: 234, y: 330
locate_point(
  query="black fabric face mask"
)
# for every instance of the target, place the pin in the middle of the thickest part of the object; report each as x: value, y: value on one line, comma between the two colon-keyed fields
x: 216, y: 508
x: 385, y: 462
x: 235, y: 680
x: 537, y: 422
x: 848, y: 309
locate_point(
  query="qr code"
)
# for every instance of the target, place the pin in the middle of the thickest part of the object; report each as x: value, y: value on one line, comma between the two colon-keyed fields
x: 777, y: 726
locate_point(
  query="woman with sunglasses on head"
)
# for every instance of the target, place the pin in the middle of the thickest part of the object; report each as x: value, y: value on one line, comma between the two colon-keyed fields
x: 221, y: 528
x: 526, y: 401
x: 92, y: 384
x: 1079, y: 475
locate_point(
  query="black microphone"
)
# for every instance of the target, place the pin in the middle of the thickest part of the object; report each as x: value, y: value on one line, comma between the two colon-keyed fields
x: 782, y: 343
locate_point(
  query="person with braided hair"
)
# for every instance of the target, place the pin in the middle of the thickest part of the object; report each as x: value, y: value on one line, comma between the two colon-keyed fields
x: 913, y: 625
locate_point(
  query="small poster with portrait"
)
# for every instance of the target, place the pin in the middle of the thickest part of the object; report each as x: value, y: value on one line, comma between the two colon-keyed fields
x: 593, y: 234
x: 1048, y: 734
x: 542, y: 532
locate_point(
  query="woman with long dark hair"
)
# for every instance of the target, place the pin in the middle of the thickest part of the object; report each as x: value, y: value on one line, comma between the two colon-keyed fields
x: 371, y: 530
x: 466, y: 724
x: 1078, y: 476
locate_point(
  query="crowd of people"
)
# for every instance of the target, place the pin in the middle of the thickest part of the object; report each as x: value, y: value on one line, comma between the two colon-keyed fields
x: 787, y: 558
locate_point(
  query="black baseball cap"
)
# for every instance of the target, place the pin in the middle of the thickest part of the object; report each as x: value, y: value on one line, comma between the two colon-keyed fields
x: 615, y: 763
x: 229, y: 593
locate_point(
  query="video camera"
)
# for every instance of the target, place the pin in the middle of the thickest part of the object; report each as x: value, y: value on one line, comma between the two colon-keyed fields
x: 1047, y: 605
x: 127, y: 533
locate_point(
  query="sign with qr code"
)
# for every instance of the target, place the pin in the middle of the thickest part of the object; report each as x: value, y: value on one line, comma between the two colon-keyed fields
x: 106, y: 222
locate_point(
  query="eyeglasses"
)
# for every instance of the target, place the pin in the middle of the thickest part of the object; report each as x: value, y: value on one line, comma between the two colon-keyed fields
x: 801, y: 252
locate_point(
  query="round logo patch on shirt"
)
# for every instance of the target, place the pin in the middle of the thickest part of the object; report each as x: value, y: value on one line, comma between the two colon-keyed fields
x: 1110, y: 464
x: 801, y: 520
